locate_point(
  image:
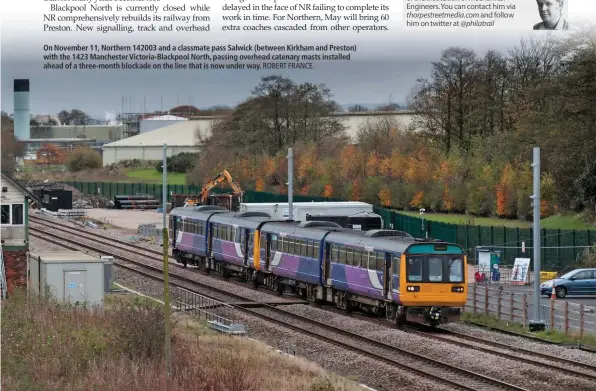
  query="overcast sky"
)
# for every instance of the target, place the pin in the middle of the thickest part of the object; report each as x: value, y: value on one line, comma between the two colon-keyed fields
x: 385, y: 67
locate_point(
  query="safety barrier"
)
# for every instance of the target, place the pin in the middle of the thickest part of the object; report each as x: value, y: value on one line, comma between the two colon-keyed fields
x: 217, y: 314
x: 515, y: 307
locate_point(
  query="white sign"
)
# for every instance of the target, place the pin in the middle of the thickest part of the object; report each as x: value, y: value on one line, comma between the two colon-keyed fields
x: 520, y: 270
x: 484, y: 262
x: 286, y: 213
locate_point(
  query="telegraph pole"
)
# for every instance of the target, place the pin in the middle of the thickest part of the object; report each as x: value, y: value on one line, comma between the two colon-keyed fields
x: 290, y: 183
x: 166, y: 290
x: 536, y: 324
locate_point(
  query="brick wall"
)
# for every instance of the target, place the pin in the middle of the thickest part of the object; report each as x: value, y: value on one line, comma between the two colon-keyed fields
x: 15, y: 263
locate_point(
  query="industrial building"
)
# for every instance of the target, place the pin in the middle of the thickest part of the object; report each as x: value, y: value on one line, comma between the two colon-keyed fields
x: 179, y: 137
x: 97, y: 132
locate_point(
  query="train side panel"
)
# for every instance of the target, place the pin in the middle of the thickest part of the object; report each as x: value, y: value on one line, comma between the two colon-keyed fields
x: 357, y: 280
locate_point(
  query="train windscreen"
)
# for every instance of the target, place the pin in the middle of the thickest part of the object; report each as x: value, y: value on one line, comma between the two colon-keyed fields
x: 435, y: 268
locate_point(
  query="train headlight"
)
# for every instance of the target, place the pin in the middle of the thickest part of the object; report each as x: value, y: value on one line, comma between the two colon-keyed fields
x: 458, y: 289
x: 413, y: 288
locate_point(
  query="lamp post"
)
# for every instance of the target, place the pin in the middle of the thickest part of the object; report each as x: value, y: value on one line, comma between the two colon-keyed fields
x: 422, y: 210
x: 166, y: 290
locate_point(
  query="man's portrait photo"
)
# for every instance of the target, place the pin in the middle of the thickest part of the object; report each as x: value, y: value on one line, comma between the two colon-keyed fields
x: 551, y: 13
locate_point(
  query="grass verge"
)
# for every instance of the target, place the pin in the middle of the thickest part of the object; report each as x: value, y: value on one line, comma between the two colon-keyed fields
x: 556, y: 336
x: 572, y: 221
x: 47, y: 345
x: 147, y: 175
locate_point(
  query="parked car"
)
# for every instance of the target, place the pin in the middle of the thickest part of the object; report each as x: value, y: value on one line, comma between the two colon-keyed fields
x: 575, y: 282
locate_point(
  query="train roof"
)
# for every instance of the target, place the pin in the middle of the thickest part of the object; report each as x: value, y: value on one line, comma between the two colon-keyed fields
x: 399, y: 242
x: 295, y: 228
x: 202, y: 213
x: 241, y: 219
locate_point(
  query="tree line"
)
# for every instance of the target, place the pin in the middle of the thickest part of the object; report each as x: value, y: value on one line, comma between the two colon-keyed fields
x: 477, y: 118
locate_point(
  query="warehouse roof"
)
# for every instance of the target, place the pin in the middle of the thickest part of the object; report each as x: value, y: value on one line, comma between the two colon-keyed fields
x: 164, y: 118
x: 179, y: 134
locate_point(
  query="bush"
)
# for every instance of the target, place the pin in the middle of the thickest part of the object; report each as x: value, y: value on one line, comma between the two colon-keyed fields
x: 50, y: 346
x: 183, y: 162
x: 588, y: 257
x: 83, y: 158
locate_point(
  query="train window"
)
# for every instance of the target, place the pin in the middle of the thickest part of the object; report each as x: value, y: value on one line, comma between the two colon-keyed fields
x: 284, y: 245
x: 435, y: 269
x: 263, y: 241
x: 303, y: 248
x: 310, y: 252
x: 273, y: 243
x: 414, y: 269
x: 357, y: 257
x: 456, y: 268
x: 315, y: 250
x: 396, y: 263
x: 229, y: 234
x: 380, y: 262
x: 332, y: 253
x: 349, y: 256
x: 342, y: 254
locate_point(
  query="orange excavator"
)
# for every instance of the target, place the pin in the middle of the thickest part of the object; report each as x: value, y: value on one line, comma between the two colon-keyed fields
x: 203, y: 198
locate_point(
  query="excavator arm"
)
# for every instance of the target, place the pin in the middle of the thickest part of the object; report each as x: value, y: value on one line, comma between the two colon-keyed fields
x: 222, y: 176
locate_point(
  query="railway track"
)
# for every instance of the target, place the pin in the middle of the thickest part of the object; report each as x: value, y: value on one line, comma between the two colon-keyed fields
x: 512, y: 354
x: 427, y: 367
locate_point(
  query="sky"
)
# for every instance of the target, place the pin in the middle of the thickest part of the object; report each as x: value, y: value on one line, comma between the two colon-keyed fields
x: 383, y: 69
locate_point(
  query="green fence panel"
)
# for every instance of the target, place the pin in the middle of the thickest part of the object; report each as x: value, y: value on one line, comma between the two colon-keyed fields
x: 560, y: 249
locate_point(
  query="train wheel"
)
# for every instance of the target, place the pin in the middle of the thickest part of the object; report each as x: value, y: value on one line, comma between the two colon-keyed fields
x: 278, y: 287
x: 343, y: 302
x: 390, y: 312
x: 401, y: 316
x: 221, y: 271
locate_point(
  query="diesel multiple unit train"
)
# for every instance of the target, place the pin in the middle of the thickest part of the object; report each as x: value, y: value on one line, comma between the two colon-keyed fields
x: 384, y: 272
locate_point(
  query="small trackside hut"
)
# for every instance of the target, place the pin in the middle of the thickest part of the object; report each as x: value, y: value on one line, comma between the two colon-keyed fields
x: 14, y: 227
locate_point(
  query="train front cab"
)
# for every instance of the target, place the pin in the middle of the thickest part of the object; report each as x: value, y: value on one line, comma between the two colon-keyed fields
x: 433, y: 283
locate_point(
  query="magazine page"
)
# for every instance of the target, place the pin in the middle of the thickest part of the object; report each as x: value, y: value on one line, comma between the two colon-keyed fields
x: 366, y: 189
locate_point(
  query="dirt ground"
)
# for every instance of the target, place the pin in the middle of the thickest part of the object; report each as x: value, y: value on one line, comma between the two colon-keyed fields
x: 129, y: 219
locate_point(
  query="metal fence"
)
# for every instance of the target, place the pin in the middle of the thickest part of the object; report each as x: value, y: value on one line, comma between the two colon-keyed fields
x: 559, y: 248
x: 151, y: 232
x: 571, y: 318
x: 219, y: 315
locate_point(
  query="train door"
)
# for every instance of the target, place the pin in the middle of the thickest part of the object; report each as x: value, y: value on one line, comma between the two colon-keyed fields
x: 244, y: 245
x: 173, y: 229
x: 250, y: 235
x: 209, y: 239
x: 387, y: 276
x: 327, y: 264
x: 266, y: 245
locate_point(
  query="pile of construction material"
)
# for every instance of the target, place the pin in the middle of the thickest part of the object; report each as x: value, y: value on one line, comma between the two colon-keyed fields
x: 78, y: 200
x: 141, y: 201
